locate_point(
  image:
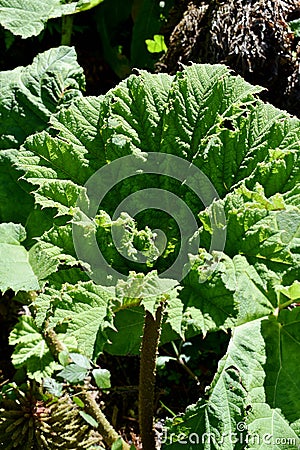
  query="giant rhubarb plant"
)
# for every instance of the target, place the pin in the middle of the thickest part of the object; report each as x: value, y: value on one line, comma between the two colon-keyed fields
x: 249, y: 151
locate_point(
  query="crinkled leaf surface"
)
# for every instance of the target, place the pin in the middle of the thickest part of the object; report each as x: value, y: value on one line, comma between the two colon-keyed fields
x: 80, y: 360
x: 78, y: 144
x: 28, y: 17
x: 263, y: 253
x: 250, y: 152
x: 31, y: 350
x: 16, y: 272
x: 73, y: 373
x: 85, y: 309
x: 254, y: 386
x: 46, y: 258
x: 147, y: 291
x: 203, y: 114
x: 138, y: 294
x: 28, y: 96
x: 53, y: 387
x: 166, y: 116
x: 248, y: 149
x: 15, y: 16
x: 233, y: 293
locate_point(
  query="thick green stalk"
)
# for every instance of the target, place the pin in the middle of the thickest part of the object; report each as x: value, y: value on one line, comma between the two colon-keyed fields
x: 149, y: 348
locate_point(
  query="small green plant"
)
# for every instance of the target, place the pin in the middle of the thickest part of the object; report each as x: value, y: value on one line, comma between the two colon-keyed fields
x: 125, y: 277
x: 157, y: 44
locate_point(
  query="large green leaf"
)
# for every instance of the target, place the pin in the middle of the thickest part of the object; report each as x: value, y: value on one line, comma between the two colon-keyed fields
x: 125, y: 339
x: 267, y: 426
x: 16, y: 272
x: 148, y: 290
x: 140, y: 293
x: 266, y: 231
x: 77, y: 143
x: 233, y: 294
x: 27, y: 270
x: 186, y: 116
x: 46, y: 258
x: 92, y: 314
x: 241, y: 406
x: 85, y: 309
x: 214, y: 419
x: 28, y: 18
x: 15, y: 203
x: 213, y: 119
x: 282, y: 340
x: 28, y: 96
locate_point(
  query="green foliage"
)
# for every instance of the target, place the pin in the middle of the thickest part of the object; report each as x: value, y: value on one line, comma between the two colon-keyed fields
x: 249, y: 390
x: 136, y: 22
x: 77, y: 369
x: 31, y: 350
x: 16, y: 272
x: 29, y: 18
x: 29, y: 95
x: 157, y: 44
x: 102, y: 378
x: 85, y: 309
x: 295, y: 27
x: 89, y: 419
x: 250, y: 152
x: 148, y: 19
x: 53, y: 387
